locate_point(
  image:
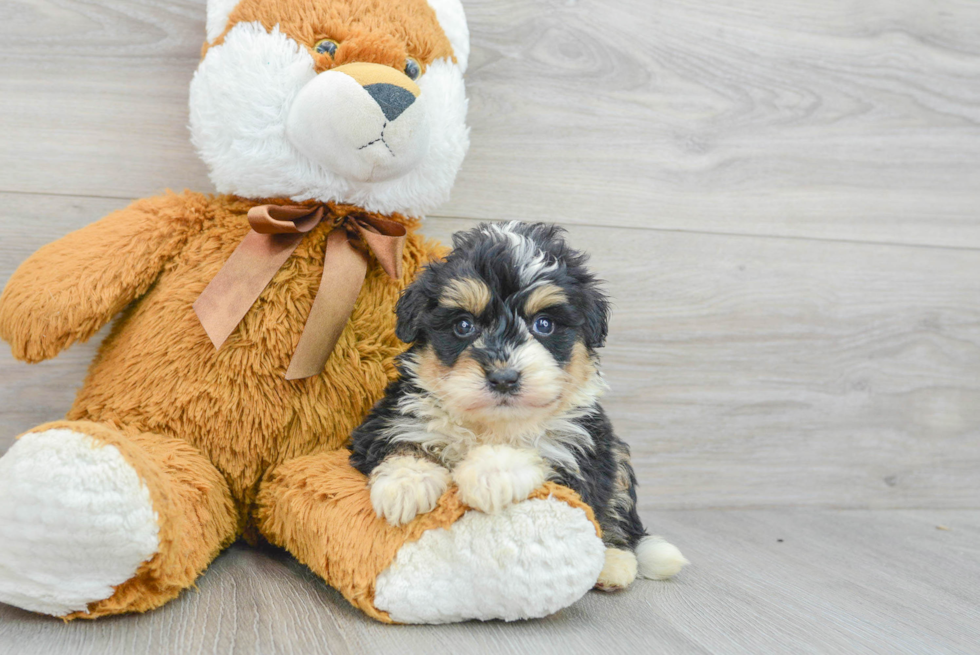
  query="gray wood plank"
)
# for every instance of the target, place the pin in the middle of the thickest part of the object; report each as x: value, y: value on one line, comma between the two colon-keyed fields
x: 848, y: 582
x: 847, y: 121
x: 745, y: 371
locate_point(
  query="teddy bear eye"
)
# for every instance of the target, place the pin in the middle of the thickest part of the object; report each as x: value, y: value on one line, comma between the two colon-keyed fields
x: 412, y: 68
x: 326, y: 47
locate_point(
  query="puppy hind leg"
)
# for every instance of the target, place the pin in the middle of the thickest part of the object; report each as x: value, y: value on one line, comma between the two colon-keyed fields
x: 652, y: 558
x: 655, y: 558
x: 618, y: 571
x: 621, y: 530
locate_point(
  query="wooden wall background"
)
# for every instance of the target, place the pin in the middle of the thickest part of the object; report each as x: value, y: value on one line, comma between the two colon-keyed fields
x: 784, y: 197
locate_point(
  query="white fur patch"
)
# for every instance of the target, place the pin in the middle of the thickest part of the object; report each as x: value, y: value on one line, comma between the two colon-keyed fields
x: 404, y: 487
x: 75, y: 521
x: 530, y: 560
x: 659, y: 560
x: 217, y: 21
x: 452, y: 19
x: 619, y: 570
x: 492, y: 477
x: 337, y: 124
x: 242, y: 94
x: 534, y: 263
x: 449, y: 434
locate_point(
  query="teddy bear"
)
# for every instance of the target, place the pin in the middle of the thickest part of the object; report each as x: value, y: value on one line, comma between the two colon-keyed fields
x: 253, y: 331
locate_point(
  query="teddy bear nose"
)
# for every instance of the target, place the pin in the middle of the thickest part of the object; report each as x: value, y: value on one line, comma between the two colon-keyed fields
x: 392, y: 99
x: 504, y: 380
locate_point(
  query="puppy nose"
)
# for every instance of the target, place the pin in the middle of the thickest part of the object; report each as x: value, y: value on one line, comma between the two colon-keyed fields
x: 392, y: 99
x: 504, y: 380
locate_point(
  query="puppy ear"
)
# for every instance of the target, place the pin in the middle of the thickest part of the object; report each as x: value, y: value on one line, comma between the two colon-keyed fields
x: 409, y: 311
x: 596, y: 318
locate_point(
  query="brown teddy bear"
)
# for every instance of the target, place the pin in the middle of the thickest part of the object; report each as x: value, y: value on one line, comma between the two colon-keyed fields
x: 329, y: 126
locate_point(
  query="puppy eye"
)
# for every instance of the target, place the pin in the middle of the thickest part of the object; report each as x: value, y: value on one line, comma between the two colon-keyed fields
x: 326, y: 47
x: 464, y: 328
x: 543, y: 326
x: 412, y: 68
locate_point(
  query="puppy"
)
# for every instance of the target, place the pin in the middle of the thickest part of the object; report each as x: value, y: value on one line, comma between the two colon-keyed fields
x: 499, y: 392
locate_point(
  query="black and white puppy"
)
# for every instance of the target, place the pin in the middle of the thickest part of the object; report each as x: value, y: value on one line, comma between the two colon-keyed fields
x: 499, y: 392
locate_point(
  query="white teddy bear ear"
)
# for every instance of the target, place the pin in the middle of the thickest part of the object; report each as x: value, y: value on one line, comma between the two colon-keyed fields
x: 453, y: 21
x: 218, y: 12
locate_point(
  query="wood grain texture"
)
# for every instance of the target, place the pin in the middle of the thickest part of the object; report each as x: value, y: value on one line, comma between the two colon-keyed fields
x: 842, y: 120
x: 822, y: 589
x: 745, y: 371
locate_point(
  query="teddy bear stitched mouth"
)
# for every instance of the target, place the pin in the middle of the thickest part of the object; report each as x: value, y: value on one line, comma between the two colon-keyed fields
x: 381, y: 139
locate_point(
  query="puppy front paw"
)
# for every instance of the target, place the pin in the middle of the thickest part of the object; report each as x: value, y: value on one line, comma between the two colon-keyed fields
x: 493, y: 477
x: 403, y: 487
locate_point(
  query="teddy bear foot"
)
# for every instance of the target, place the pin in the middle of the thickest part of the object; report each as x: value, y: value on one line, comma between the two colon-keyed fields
x: 529, y: 560
x: 75, y: 521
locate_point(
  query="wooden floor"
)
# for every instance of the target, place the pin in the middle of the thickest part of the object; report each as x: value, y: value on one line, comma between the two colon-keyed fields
x: 784, y: 196
x: 764, y: 581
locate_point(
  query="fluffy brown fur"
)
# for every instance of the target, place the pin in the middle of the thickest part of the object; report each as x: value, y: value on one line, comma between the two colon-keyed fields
x: 225, y: 444
x: 309, y: 497
x: 190, y: 418
x: 197, y: 514
x: 367, y: 30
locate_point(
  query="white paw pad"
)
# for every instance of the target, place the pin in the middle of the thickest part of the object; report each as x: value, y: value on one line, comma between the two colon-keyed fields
x: 75, y: 521
x: 527, y: 561
x: 404, y: 487
x: 493, y: 477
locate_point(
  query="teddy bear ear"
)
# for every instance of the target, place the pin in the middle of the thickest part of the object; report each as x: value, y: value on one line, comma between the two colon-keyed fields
x: 218, y: 13
x: 452, y: 19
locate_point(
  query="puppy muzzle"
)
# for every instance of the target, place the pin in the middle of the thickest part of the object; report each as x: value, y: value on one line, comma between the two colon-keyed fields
x: 504, y: 381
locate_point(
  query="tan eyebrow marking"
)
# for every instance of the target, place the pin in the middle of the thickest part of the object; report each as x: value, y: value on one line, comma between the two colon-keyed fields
x: 466, y: 293
x: 543, y: 297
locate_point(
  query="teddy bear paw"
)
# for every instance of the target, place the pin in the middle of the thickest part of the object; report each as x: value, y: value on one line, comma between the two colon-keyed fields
x: 493, y: 477
x: 404, y: 487
x: 75, y: 521
x: 529, y: 560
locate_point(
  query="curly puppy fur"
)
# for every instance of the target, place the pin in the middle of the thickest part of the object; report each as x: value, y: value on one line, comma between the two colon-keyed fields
x: 500, y: 392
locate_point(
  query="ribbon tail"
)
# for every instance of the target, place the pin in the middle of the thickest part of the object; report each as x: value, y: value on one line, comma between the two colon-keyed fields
x: 386, y: 239
x: 240, y: 282
x: 344, y: 269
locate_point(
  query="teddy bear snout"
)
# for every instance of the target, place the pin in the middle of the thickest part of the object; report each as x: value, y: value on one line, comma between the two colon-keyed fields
x: 364, y: 122
x: 392, y: 90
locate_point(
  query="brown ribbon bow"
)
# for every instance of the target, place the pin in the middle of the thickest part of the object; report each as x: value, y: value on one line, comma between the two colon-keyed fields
x: 276, y: 231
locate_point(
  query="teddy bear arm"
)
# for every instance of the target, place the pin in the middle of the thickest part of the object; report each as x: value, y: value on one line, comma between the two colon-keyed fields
x: 449, y: 564
x: 69, y: 289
